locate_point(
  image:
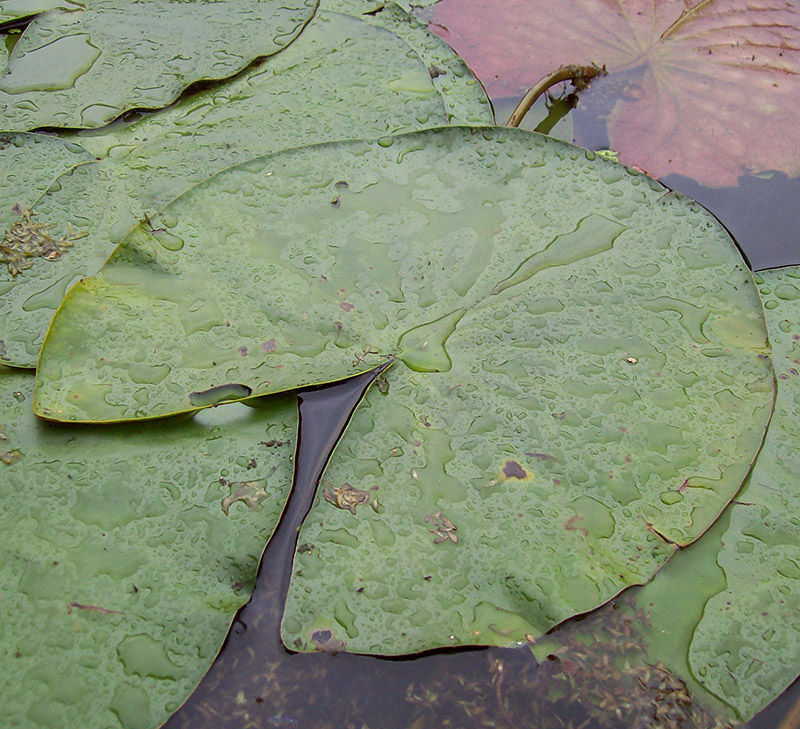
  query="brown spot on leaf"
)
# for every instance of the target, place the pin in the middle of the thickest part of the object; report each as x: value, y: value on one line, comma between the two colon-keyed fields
x: 269, y: 345
x: 541, y: 456
x: 9, y: 457
x: 571, y: 525
x: 345, y: 306
x: 512, y: 469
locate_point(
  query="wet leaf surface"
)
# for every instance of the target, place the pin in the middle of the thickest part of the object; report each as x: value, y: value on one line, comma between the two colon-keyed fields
x: 704, y: 89
x: 538, y: 342
x: 734, y: 638
x: 83, y: 68
x: 126, y: 553
x: 266, y: 109
x: 746, y: 648
x: 11, y: 10
x: 462, y: 94
x: 30, y: 164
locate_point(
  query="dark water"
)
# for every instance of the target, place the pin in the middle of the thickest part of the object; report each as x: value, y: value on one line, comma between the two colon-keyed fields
x: 761, y: 212
x: 256, y: 683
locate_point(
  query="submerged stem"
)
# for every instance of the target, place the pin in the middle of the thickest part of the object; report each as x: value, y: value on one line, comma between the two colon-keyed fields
x: 579, y: 75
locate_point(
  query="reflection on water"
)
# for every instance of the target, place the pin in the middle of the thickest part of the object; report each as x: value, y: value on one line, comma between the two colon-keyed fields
x: 760, y: 212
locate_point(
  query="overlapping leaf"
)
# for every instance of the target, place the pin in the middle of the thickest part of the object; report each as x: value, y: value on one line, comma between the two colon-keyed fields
x: 746, y: 648
x: 463, y: 96
x: 707, y: 89
x: 83, y: 68
x: 263, y: 110
x: 11, y: 10
x: 126, y: 554
x: 734, y: 638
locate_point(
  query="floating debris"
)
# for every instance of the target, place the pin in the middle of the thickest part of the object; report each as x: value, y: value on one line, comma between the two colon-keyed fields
x: 9, y: 457
x: 444, y: 529
x: 251, y: 493
x: 348, y: 497
x: 26, y: 241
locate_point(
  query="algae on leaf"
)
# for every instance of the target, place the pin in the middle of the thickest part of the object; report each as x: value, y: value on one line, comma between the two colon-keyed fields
x: 561, y: 321
x: 127, y: 552
x: 83, y: 68
x: 156, y: 159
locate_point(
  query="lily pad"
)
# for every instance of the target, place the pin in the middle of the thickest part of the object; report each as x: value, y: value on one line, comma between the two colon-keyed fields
x: 355, y: 242
x: 264, y: 110
x: 126, y: 554
x: 555, y: 363
x: 722, y: 615
x: 83, y: 68
x: 704, y: 89
x: 464, y: 98
x: 30, y: 164
x: 11, y: 10
x: 746, y: 647
x: 542, y: 473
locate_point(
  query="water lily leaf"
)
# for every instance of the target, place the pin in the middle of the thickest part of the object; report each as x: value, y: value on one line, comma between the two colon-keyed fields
x: 482, y: 478
x: 126, y: 553
x: 464, y: 98
x: 84, y: 68
x: 30, y: 163
x: 746, y: 648
x: 263, y: 110
x: 733, y: 637
x: 336, y: 234
x: 706, y: 89
x: 11, y: 10
x: 554, y: 363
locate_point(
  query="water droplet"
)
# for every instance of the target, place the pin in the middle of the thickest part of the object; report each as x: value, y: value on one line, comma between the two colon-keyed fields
x: 423, y: 348
x: 595, y: 234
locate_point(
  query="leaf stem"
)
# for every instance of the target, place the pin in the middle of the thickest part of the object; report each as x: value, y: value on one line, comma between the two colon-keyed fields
x: 579, y: 75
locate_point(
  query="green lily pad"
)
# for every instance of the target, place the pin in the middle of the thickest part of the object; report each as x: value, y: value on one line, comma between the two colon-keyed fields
x: 83, y: 68
x: 355, y: 243
x: 722, y: 615
x: 464, y: 98
x: 587, y: 368
x: 746, y: 647
x: 11, y: 10
x: 30, y: 163
x: 153, y: 161
x: 533, y: 480
x: 126, y: 554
